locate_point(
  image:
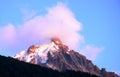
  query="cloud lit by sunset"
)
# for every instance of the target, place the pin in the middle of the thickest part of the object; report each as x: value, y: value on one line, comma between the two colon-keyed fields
x: 90, y: 28
x: 59, y: 21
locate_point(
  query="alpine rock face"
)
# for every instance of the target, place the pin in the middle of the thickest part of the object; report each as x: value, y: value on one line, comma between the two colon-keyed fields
x: 59, y: 57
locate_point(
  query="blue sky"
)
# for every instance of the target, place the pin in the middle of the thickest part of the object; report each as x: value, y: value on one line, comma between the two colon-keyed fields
x: 100, y: 21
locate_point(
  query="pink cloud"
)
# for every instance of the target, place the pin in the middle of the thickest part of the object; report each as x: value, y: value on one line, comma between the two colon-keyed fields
x: 8, y: 34
x: 59, y: 21
x: 91, y: 52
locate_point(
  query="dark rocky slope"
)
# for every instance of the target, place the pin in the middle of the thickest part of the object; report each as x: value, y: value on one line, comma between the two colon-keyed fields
x: 10, y: 67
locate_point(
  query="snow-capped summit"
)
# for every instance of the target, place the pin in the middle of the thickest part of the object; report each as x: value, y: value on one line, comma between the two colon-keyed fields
x: 39, y: 54
x: 58, y: 56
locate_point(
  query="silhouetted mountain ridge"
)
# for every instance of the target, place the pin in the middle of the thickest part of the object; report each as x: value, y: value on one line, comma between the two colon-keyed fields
x: 10, y: 67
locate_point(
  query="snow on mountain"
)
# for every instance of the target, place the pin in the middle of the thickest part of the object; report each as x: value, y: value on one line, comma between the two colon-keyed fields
x: 36, y: 54
x: 58, y: 56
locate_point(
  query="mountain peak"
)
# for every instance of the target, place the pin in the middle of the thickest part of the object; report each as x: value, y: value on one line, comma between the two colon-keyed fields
x: 58, y: 56
x: 60, y: 44
x: 56, y: 40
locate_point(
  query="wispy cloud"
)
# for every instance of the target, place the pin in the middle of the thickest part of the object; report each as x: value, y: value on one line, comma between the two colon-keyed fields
x: 59, y: 21
x: 7, y: 34
x: 91, y: 52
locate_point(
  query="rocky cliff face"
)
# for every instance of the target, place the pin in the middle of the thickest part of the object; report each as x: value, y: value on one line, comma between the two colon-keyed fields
x: 58, y: 56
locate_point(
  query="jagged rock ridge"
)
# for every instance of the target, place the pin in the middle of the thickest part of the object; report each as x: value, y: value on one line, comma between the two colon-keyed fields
x: 58, y: 56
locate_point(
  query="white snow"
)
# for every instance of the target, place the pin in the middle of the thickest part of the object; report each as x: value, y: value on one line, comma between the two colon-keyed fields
x: 29, y: 57
x: 41, y: 53
x: 43, y: 50
x: 20, y: 55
